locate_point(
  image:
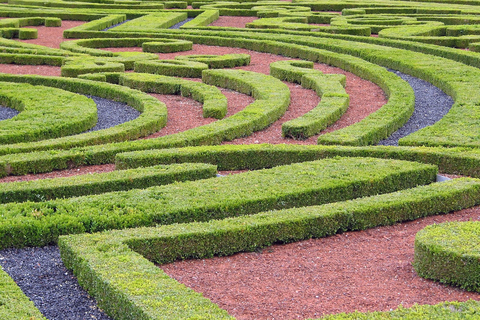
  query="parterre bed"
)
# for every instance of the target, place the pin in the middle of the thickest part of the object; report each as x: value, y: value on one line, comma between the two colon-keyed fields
x: 367, y: 270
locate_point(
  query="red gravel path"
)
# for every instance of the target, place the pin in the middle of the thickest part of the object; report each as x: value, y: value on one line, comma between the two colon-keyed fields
x: 368, y: 270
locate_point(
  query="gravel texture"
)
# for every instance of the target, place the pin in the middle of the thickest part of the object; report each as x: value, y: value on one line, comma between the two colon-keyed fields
x: 55, y: 291
x: 7, y: 113
x: 178, y: 25
x: 111, y: 113
x: 431, y: 104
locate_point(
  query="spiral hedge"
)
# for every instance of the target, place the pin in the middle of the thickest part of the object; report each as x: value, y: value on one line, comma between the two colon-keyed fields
x: 280, y: 200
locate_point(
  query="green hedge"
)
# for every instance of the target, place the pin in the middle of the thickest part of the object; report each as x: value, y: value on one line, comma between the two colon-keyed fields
x: 259, y: 156
x: 203, y: 19
x: 37, y: 224
x: 449, y: 253
x: 45, y: 113
x: 152, y: 22
x: 214, y: 102
x: 330, y: 88
x: 167, y: 46
x: 219, y: 61
x: 108, y: 264
x: 178, y: 68
x: 442, y: 311
x: 96, y: 183
x: 91, y: 46
x: 153, y: 117
x: 14, y: 304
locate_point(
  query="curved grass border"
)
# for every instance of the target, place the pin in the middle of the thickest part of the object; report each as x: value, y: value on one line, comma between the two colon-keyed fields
x: 214, y: 101
x: 153, y: 117
x: 45, y: 113
x: 449, y: 253
x: 330, y: 88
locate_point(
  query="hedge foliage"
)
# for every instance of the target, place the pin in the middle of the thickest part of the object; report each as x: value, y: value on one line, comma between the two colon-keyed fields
x: 153, y: 117
x: 14, y: 304
x: 113, y: 265
x: 97, y: 183
x: 45, y: 113
x: 37, y: 224
x: 330, y: 88
x: 449, y: 253
x: 214, y: 102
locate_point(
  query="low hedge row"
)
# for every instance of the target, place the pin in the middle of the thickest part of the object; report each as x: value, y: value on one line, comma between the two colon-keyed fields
x: 166, y: 46
x: 272, y: 99
x: 91, y: 46
x: 45, y: 113
x: 73, y: 67
x: 96, y: 183
x: 152, y: 22
x: 455, y: 78
x: 203, y: 19
x: 178, y: 68
x: 107, y: 264
x: 219, y: 61
x: 334, y: 102
x: 214, y: 102
x: 259, y: 156
x: 96, y: 24
x: 38, y: 224
x: 330, y: 88
x: 88, y: 5
x: 153, y: 117
x: 14, y: 304
x: 449, y: 253
x: 443, y: 311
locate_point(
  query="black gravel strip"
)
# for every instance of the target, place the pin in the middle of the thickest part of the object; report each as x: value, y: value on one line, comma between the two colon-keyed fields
x: 7, y: 113
x: 178, y: 25
x: 110, y: 113
x: 54, y: 290
x: 431, y: 104
x: 115, y: 25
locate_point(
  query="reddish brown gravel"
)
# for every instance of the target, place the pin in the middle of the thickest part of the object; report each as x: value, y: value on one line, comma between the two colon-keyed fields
x: 367, y: 270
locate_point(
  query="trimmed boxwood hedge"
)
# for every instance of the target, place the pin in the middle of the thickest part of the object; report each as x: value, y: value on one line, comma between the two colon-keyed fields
x: 449, y: 253
x: 214, y: 102
x: 14, y: 305
x: 96, y: 183
x: 259, y: 156
x: 329, y: 87
x: 153, y: 117
x: 45, y: 113
x: 38, y: 224
x: 113, y: 265
x: 219, y: 61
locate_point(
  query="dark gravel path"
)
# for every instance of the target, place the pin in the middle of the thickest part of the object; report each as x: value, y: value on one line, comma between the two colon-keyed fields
x: 431, y: 104
x: 111, y: 113
x: 55, y: 291
x: 7, y: 113
x: 42, y: 276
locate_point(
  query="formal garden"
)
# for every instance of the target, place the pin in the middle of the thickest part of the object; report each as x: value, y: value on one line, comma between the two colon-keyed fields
x: 297, y: 159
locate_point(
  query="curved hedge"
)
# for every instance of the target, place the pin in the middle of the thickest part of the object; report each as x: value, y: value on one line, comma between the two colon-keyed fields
x: 113, y: 258
x: 449, y: 253
x: 153, y: 117
x: 214, y: 102
x: 45, y: 113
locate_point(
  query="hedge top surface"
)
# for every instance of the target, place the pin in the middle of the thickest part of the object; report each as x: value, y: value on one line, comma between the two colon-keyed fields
x: 458, y: 238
